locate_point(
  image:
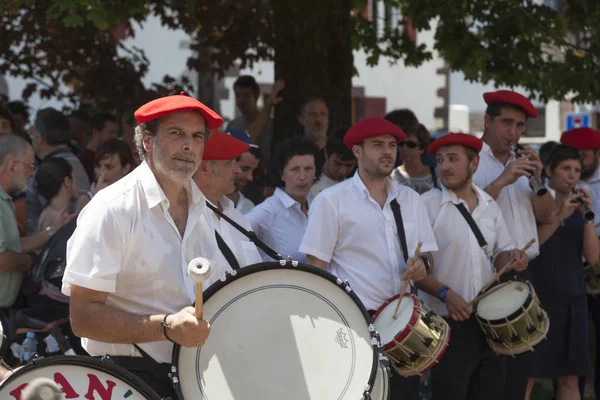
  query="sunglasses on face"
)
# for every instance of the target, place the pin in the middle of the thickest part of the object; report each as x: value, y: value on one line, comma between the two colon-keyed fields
x: 409, y: 144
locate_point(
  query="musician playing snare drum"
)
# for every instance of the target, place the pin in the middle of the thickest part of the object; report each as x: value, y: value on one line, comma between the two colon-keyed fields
x: 352, y: 230
x: 127, y: 260
x: 466, y: 261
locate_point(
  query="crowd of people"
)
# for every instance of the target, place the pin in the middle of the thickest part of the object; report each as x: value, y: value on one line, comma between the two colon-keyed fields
x: 356, y: 201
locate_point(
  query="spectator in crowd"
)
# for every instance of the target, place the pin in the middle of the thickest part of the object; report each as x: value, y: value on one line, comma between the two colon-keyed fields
x: 292, y: 171
x: 314, y: 119
x: 104, y: 126
x: 20, y: 117
x: 413, y: 172
x: 6, y: 121
x: 80, y: 130
x: 16, y: 167
x: 51, y: 137
x: 257, y: 122
x: 56, y: 183
x: 339, y: 164
x: 247, y: 163
x: 406, y: 120
x: 545, y: 150
x: 128, y: 125
x: 114, y: 160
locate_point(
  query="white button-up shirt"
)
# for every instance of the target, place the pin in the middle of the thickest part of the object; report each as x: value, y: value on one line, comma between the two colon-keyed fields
x: 460, y: 263
x: 126, y: 243
x: 243, y: 249
x: 280, y: 223
x: 514, y: 200
x: 359, y: 240
x: 593, y: 186
x: 323, y: 183
x: 244, y: 204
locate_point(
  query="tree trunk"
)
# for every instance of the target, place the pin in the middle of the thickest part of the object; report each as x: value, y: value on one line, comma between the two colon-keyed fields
x: 313, y: 54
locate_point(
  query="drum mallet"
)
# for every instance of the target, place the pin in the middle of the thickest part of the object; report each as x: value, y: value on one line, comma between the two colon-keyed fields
x: 505, y: 267
x: 42, y: 389
x: 199, y: 271
x: 406, y: 282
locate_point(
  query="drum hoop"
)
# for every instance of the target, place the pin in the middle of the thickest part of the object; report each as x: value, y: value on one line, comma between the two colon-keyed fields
x: 414, y: 318
x: 105, y: 365
x: 515, y: 314
x: 272, y: 265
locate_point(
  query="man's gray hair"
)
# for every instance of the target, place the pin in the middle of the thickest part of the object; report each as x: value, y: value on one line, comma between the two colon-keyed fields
x: 149, y: 128
x: 10, y: 146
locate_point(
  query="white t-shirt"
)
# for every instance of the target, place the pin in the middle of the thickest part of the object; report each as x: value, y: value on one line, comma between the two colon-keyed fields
x: 359, y: 240
x: 460, y: 262
x: 127, y: 244
x: 323, y: 183
x: 514, y: 200
x: 593, y: 186
x: 244, y: 204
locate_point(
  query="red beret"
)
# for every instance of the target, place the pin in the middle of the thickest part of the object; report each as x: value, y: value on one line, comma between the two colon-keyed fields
x: 222, y: 146
x: 165, y: 105
x: 581, y: 138
x: 462, y: 139
x: 371, y: 127
x: 510, y: 97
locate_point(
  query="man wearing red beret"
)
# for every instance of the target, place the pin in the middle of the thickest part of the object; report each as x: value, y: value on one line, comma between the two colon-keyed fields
x: 587, y: 140
x: 127, y: 260
x: 473, y: 243
x: 366, y: 229
x: 505, y: 176
x: 215, y: 178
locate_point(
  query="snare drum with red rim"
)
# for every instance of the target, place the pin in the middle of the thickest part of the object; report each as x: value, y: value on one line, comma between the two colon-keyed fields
x: 415, y: 340
x: 288, y: 331
x: 79, y: 377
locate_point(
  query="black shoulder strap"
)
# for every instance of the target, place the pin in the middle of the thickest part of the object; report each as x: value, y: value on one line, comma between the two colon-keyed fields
x: 480, y: 239
x: 229, y: 256
x: 400, y: 226
x: 249, y: 234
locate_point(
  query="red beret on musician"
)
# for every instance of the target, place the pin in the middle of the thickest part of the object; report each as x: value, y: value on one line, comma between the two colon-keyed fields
x: 581, y: 138
x: 371, y: 127
x: 461, y: 139
x: 166, y: 105
x: 222, y: 146
x: 510, y: 97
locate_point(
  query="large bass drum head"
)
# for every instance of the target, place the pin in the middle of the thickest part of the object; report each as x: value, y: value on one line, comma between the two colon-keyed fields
x: 79, y: 377
x: 280, y: 333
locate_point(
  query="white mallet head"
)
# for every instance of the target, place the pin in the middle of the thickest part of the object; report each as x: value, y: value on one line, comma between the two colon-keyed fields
x: 199, y: 269
x: 42, y: 389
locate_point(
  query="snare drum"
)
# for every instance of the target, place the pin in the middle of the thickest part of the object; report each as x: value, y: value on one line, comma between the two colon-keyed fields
x: 79, y: 377
x: 591, y: 275
x: 511, y: 318
x: 280, y: 331
x: 414, y: 341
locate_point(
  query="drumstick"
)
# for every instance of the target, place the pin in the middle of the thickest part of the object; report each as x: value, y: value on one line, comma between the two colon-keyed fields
x: 482, y: 296
x: 505, y: 267
x: 199, y: 271
x: 405, y: 286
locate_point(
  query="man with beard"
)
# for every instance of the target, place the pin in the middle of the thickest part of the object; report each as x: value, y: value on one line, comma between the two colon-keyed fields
x: 462, y: 268
x: 247, y: 163
x: 352, y: 230
x: 215, y: 178
x: 504, y: 176
x: 314, y: 119
x: 127, y: 260
x: 587, y: 141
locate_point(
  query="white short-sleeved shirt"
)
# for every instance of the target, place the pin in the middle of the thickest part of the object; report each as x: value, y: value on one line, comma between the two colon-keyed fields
x: 593, y: 186
x: 460, y: 263
x: 279, y: 222
x: 514, y: 200
x: 243, y: 249
x: 244, y: 204
x: 127, y: 244
x: 359, y: 240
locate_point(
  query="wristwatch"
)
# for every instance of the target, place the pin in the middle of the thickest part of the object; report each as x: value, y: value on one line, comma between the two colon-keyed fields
x: 49, y: 231
x: 443, y: 293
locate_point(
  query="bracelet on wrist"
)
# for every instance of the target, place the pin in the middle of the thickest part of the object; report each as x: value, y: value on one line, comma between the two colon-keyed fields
x: 166, y: 326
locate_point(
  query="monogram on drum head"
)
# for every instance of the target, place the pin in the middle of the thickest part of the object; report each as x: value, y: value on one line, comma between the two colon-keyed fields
x: 341, y: 339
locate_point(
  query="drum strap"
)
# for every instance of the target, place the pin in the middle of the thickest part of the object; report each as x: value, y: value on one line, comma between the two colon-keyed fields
x: 400, y: 226
x: 474, y: 228
x: 229, y: 256
x: 249, y: 234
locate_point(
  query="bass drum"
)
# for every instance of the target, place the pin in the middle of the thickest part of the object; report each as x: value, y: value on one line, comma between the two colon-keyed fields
x: 280, y: 331
x: 79, y: 377
x: 381, y: 389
